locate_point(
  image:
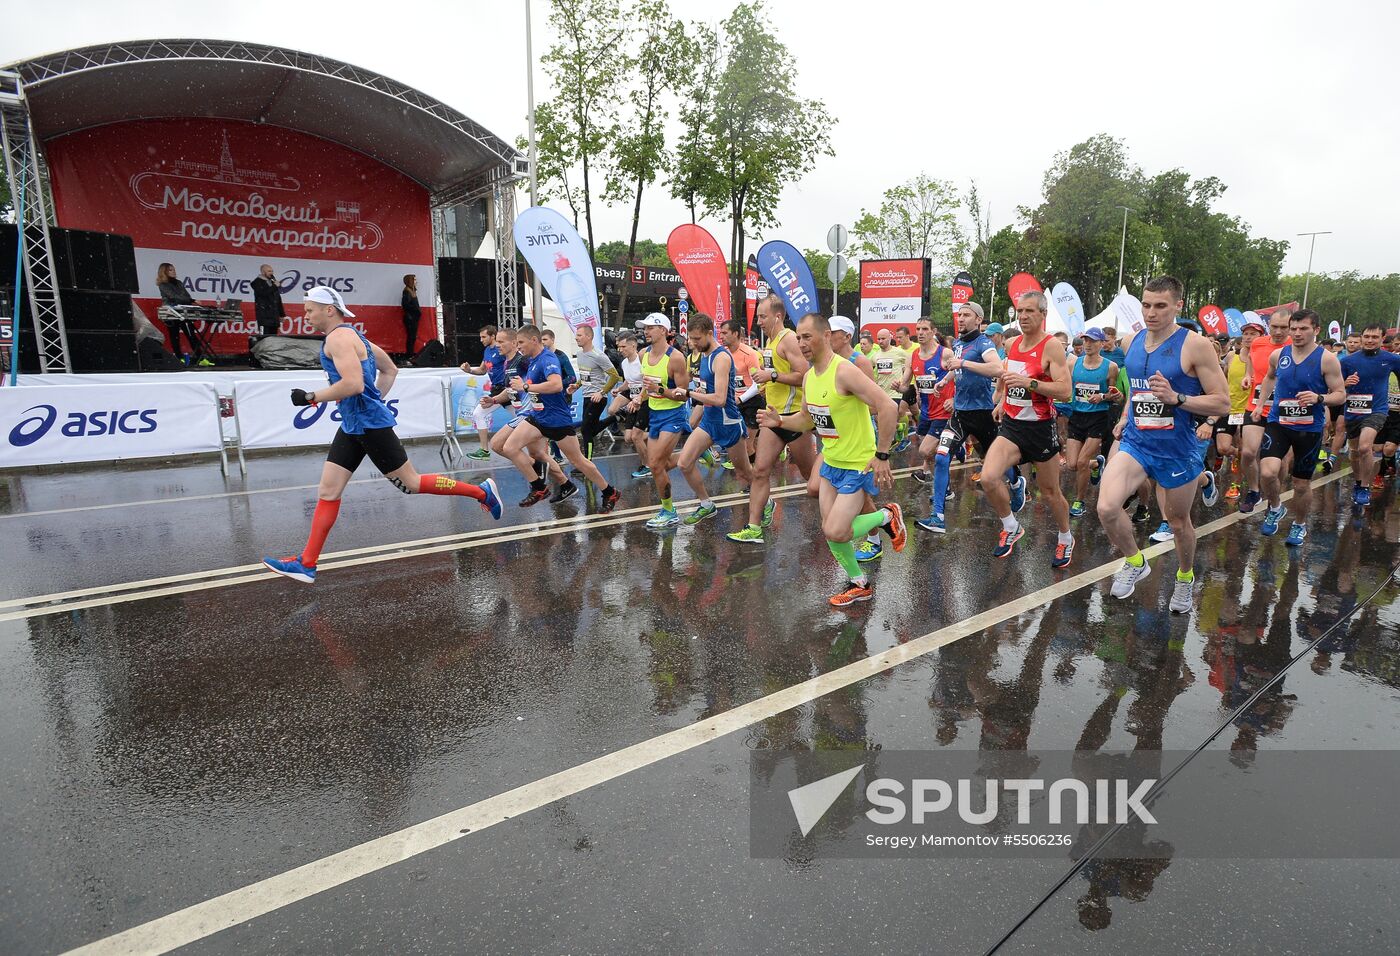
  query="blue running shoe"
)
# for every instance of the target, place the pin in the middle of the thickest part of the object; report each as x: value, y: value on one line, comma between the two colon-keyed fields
x: 291, y: 568
x: 1077, y: 509
x: 934, y: 523
x: 1096, y: 469
x: 1296, y: 533
x: 1006, y: 541
x: 642, y: 472
x: 1271, y: 519
x: 492, y: 503
x: 665, y: 518
x: 1361, y: 497
x: 1018, y: 495
x: 1251, y: 498
x: 869, y: 551
x: 1210, y: 495
x: 902, y: 445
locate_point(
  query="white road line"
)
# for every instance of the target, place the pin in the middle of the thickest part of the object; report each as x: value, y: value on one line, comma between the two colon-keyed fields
x: 204, y: 919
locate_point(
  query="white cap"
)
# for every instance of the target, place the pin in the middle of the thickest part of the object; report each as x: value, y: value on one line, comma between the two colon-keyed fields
x: 1253, y: 318
x: 328, y: 296
x: 839, y: 323
x: 656, y: 318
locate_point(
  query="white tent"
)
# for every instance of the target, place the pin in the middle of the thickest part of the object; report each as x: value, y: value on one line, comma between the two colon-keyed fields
x: 1124, y: 313
x: 552, y: 319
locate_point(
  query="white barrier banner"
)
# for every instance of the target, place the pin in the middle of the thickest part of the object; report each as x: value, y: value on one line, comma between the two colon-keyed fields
x: 268, y: 419
x: 56, y: 424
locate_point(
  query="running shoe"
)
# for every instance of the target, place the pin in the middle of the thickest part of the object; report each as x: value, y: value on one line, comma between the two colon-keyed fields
x: 1064, y: 554
x: 1006, y: 541
x: 948, y: 495
x: 768, y: 510
x: 291, y: 567
x: 1272, y: 517
x: 1329, y: 464
x: 1233, y: 492
x: 708, y: 459
x: 665, y: 518
x: 726, y: 464
x: 576, y: 473
x: 1018, y: 495
x: 854, y: 594
x: 1141, y: 514
x: 1096, y: 469
x: 700, y: 514
x: 642, y: 472
x: 1360, y: 496
x: 1296, y: 533
x: 976, y: 477
x: 1378, y: 483
x: 1077, y: 509
x: 902, y: 445
x: 1181, y: 597
x: 563, y: 493
x: 1210, y: 495
x: 934, y: 523
x: 749, y: 534
x: 481, y: 454
x: 491, y: 504
x: 1125, y: 581
x: 205, y: 363
x: 610, y: 499
x: 533, y: 498
x: 899, y: 536
x: 1163, y: 533
x: 1251, y: 498
x: 869, y: 551
x: 921, y: 476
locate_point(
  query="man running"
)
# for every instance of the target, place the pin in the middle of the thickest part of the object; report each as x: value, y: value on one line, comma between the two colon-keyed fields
x: 1302, y: 378
x: 596, y: 377
x: 721, y: 423
x: 746, y: 360
x: 1228, y: 428
x: 549, y: 414
x: 361, y: 375
x: 1093, y: 378
x: 975, y: 365
x: 664, y: 371
x: 1366, y: 373
x: 928, y: 378
x: 1173, y: 375
x: 841, y: 334
x: 781, y: 375
x: 1261, y: 352
x: 839, y: 401
x: 630, y: 405
x: 494, y: 368
x: 891, y: 364
x: 1036, y: 375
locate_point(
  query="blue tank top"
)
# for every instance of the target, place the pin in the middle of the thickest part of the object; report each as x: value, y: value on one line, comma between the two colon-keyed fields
x: 1292, y: 377
x: 973, y: 391
x: 729, y: 411
x: 1153, y: 426
x: 367, y: 409
x: 1087, y: 382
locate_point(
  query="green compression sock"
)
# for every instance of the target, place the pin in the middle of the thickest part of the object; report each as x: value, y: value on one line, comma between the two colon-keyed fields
x: 845, y: 553
x: 864, y: 524
x: 1137, y: 560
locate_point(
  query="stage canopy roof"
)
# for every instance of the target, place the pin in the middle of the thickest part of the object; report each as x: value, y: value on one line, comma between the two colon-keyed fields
x: 431, y: 143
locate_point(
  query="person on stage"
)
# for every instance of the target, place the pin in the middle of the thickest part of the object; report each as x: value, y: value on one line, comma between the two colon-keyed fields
x: 267, y: 301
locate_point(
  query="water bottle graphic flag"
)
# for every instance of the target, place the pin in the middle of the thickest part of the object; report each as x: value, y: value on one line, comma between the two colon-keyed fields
x: 700, y: 262
x: 556, y: 252
x: 787, y: 273
x: 1070, y: 308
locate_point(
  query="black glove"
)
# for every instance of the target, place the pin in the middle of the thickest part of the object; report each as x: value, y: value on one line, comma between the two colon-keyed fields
x: 299, y: 397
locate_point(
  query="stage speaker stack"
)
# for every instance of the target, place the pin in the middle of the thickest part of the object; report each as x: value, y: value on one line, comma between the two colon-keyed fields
x: 468, y: 291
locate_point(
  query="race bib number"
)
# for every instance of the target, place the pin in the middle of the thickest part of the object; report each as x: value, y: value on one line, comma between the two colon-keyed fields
x: 1237, y: 418
x: 1358, y: 404
x: 1085, y: 391
x: 634, y: 387
x: 926, y: 384
x: 1395, y: 401
x: 1020, y: 397
x: 884, y: 366
x: 697, y: 386
x: 821, y: 418
x: 652, y: 385
x: 1294, y: 414
x: 1151, y: 414
x: 768, y: 358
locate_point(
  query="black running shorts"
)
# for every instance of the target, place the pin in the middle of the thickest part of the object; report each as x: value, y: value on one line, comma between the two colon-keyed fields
x: 381, y: 445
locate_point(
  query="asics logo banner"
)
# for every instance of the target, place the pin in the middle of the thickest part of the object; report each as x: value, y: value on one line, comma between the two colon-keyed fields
x: 311, y: 414
x: 34, y: 427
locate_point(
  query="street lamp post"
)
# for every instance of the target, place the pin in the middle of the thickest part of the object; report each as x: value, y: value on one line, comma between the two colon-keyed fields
x: 1122, y: 245
x: 1307, y: 279
x: 537, y: 307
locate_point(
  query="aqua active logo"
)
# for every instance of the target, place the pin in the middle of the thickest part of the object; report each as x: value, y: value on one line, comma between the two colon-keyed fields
x: 134, y: 421
x: 311, y: 414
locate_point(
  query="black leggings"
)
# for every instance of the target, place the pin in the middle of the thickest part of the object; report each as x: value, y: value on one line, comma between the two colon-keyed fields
x: 410, y: 327
x: 592, y: 412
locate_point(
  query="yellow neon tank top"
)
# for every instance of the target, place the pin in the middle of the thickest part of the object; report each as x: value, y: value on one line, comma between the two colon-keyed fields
x: 780, y: 396
x: 658, y: 375
x: 1238, y: 395
x: 842, y: 421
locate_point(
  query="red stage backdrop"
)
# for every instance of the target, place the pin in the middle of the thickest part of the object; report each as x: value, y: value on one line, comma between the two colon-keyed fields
x: 218, y: 198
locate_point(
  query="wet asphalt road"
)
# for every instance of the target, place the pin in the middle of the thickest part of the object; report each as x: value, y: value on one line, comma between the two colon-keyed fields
x: 162, y: 751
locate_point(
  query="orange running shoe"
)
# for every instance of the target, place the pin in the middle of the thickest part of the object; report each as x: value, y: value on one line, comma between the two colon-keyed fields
x: 854, y: 594
x: 899, y: 538
x: 1378, y: 483
x: 1232, y: 492
x: 977, y: 476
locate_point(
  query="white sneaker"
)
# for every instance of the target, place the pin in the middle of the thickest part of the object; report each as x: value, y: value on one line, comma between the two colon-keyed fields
x: 1125, y: 581
x: 1163, y: 533
x: 1210, y: 495
x: 1181, y: 597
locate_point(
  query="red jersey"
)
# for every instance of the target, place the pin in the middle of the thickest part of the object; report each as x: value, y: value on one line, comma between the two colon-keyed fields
x: 1022, y: 404
x: 1259, y: 353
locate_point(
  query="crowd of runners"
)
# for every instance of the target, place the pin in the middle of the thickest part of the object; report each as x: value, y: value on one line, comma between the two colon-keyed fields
x: 1159, y: 417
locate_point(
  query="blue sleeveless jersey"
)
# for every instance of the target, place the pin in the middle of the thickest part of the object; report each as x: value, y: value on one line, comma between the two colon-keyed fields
x: 728, y: 413
x: 1087, y: 382
x: 1156, y: 429
x: 974, y: 391
x: 1292, y: 377
x: 367, y: 409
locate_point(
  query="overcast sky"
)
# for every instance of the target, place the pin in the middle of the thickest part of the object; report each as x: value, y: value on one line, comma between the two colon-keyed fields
x: 1293, y: 105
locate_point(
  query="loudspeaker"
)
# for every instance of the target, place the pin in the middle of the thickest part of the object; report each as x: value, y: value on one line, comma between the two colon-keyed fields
x: 153, y: 356
x: 96, y: 311
x: 87, y: 259
x: 121, y: 253
x: 450, y: 280
x: 479, y: 281
x: 88, y: 351
x: 432, y: 355
x: 462, y: 324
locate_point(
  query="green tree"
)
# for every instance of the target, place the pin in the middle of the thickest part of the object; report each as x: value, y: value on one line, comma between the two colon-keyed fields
x: 819, y: 262
x: 638, y: 252
x: 916, y: 220
x: 1348, y: 297
x: 691, y: 165
x: 7, y: 206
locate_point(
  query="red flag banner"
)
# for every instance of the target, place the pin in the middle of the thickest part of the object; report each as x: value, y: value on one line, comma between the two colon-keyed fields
x: 1213, y: 320
x: 700, y: 262
x: 1020, y: 284
x: 752, y: 281
x: 962, y: 290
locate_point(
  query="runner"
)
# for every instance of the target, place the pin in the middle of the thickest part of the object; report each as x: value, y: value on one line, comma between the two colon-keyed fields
x: 842, y: 332
x: 781, y: 375
x: 1173, y: 375
x: 975, y: 366
x: 932, y: 385
x: 1228, y: 428
x: 517, y: 365
x: 721, y: 423
x: 493, y: 367
x: 630, y: 405
x: 750, y: 393
x: 663, y: 370
x: 549, y: 415
x: 596, y: 377
x: 1036, y: 375
x: 1340, y: 438
x: 891, y: 363
x: 1089, y: 421
x: 1366, y: 373
x: 1261, y: 350
x: 1302, y: 378
x: 360, y: 375
x: 839, y: 402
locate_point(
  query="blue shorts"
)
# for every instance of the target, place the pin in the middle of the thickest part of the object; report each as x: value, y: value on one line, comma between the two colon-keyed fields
x: 849, y: 481
x: 1168, y: 473
x: 723, y: 434
x: 674, y: 420
x: 931, y: 426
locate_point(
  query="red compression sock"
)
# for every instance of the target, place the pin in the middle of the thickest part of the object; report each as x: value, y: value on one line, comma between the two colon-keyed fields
x: 321, y: 522
x: 443, y: 485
